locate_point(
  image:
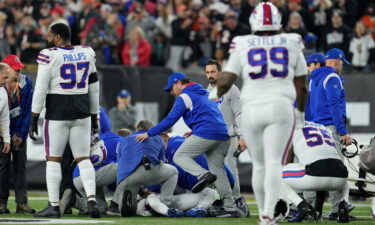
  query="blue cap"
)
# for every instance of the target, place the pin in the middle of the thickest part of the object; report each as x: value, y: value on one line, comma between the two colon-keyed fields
x: 173, y: 78
x: 316, y: 58
x: 124, y: 93
x: 336, y: 53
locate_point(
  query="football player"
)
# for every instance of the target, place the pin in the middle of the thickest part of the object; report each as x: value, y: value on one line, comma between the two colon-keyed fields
x: 273, y: 69
x: 67, y: 85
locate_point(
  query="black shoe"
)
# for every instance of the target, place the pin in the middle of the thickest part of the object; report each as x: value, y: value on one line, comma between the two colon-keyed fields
x: 333, y: 217
x: 127, y: 207
x: 49, y: 212
x: 242, y: 207
x: 93, y: 210
x: 3, y: 208
x: 113, y: 209
x: 24, y: 209
x: 343, y: 214
x: 203, y: 182
x: 67, y: 200
x: 305, y: 212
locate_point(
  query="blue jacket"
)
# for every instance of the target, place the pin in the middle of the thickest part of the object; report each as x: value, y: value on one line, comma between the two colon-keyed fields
x: 130, y: 153
x: 110, y: 142
x: 105, y: 123
x: 20, y: 108
x: 185, y: 179
x: 327, y: 99
x: 200, y: 114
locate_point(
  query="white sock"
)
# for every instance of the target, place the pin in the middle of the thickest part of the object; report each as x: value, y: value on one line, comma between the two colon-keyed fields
x: 87, y: 174
x: 53, y: 177
x: 272, y: 183
x: 289, y: 194
x: 257, y: 182
x: 157, y: 205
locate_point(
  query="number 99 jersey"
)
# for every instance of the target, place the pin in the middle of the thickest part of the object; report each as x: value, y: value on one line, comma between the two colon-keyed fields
x: 268, y: 65
x: 313, y: 142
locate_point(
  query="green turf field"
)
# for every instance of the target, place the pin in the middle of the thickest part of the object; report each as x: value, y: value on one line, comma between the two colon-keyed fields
x: 362, y: 212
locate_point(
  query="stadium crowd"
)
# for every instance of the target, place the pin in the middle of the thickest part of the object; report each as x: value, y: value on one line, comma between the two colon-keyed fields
x: 182, y: 33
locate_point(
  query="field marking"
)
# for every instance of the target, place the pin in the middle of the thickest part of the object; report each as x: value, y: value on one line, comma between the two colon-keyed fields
x: 50, y: 221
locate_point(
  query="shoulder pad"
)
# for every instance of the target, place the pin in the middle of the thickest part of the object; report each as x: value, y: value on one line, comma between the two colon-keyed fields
x: 44, y: 56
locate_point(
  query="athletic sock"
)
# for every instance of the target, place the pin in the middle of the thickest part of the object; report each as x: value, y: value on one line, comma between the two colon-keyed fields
x: 272, y: 183
x: 53, y: 177
x: 257, y: 182
x: 87, y: 173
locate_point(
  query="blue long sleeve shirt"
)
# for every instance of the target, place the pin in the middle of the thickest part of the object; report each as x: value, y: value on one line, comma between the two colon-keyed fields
x: 105, y: 123
x: 327, y: 103
x: 20, y: 107
x: 130, y: 153
x: 201, y: 115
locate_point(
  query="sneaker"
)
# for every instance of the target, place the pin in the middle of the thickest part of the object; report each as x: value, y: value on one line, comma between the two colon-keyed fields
x: 242, y: 207
x: 127, y: 207
x: 196, y: 212
x: 3, y: 208
x: 305, y: 212
x: 23, y: 208
x: 203, y: 182
x: 343, y: 214
x: 113, y: 209
x: 266, y: 221
x: 49, y: 212
x: 174, y: 213
x: 93, y: 210
x: 67, y: 200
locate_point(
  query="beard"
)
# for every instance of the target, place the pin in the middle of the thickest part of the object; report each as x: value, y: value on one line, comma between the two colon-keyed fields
x: 50, y: 44
x: 212, y: 81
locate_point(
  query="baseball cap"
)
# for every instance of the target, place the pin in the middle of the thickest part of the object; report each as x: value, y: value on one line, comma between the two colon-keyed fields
x: 336, y: 53
x: 173, y: 78
x: 316, y: 58
x: 14, y: 62
x: 124, y: 93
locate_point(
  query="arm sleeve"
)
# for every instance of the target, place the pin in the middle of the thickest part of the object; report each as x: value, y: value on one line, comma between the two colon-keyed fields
x: 333, y: 91
x: 308, y: 116
x: 41, y: 87
x: 4, y: 117
x: 94, y: 90
x: 234, y: 62
x: 236, y: 108
x: 23, y: 129
x: 105, y: 123
x: 177, y: 111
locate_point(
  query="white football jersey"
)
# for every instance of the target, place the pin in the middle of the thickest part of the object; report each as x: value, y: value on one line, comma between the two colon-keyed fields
x: 69, y: 67
x: 268, y: 65
x: 313, y: 142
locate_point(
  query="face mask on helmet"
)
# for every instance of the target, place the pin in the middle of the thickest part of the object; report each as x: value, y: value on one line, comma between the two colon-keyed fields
x: 265, y: 17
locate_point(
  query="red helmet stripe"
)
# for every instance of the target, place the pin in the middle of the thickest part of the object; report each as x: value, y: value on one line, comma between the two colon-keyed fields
x: 267, y: 15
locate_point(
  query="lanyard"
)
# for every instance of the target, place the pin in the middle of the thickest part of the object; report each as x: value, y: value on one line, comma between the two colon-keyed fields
x: 17, y: 94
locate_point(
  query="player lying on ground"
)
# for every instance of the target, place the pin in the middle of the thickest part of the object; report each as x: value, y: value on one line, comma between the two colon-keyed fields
x: 319, y: 169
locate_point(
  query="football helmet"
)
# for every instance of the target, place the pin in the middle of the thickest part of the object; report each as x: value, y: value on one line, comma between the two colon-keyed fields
x: 98, y: 151
x: 265, y: 17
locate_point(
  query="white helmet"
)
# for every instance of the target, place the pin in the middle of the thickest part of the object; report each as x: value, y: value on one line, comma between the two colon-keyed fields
x: 265, y: 17
x: 98, y: 151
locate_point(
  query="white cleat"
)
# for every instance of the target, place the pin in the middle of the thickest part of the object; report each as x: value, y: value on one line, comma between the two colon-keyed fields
x: 267, y: 221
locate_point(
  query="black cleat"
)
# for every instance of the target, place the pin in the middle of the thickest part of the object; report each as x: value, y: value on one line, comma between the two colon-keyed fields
x: 305, y: 212
x: 113, y: 209
x: 127, y: 207
x: 203, y: 182
x: 93, y: 210
x: 49, y: 212
x: 3, y: 208
x: 242, y: 207
x: 343, y: 214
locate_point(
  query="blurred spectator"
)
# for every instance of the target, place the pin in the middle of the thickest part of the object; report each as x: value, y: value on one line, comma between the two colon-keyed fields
x: 232, y: 28
x: 57, y: 15
x: 105, y: 11
x: 140, y: 18
x: 349, y: 11
x: 280, y: 4
x: 11, y: 39
x: 246, y: 10
x: 295, y: 6
x: 30, y: 40
x: 136, y: 50
x: 219, y: 56
x: 160, y: 52
x: 295, y: 25
x: 369, y: 19
x: 4, y: 45
x: 337, y: 35
x: 44, y: 25
x: 180, y: 37
x: 322, y: 12
x: 4, y: 8
x: 361, y: 46
x: 123, y: 115
x: 236, y: 5
x: 164, y: 21
x: 103, y: 39
x: 202, y: 45
x: 86, y: 19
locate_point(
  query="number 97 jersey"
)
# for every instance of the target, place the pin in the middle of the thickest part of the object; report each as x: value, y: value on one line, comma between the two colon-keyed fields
x: 69, y: 68
x: 268, y: 65
x: 314, y: 142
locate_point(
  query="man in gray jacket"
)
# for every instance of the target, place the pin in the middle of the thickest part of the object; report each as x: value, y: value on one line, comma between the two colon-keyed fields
x: 123, y: 115
x: 230, y: 107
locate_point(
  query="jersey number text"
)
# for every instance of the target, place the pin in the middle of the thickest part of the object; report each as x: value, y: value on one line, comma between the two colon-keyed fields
x: 258, y: 57
x: 315, y: 136
x: 69, y: 72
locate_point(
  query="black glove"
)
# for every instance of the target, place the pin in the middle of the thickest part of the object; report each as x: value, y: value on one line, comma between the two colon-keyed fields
x: 94, y: 124
x: 33, y: 127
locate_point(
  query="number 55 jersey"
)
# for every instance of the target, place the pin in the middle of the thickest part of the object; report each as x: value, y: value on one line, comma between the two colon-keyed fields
x: 268, y: 65
x: 64, y: 75
x: 313, y: 142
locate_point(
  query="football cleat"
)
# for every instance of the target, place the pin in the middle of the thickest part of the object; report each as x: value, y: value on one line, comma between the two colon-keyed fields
x: 304, y: 212
x: 343, y: 214
x: 203, y: 182
x: 49, y: 212
x: 196, y: 212
x: 266, y: 221
x: 93, y: 210
x: 175, y: 213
